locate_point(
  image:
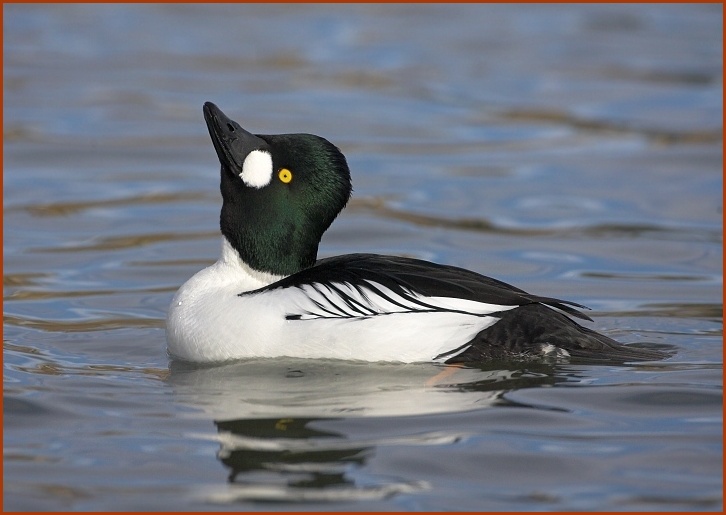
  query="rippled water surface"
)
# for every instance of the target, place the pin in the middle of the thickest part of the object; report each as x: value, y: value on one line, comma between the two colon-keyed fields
x: 575, y: 151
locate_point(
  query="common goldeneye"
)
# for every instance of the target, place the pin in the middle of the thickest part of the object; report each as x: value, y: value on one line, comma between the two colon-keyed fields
x: 269, y: 296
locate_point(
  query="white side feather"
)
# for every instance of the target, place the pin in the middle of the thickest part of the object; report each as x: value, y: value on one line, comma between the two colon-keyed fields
x: 209, y: 321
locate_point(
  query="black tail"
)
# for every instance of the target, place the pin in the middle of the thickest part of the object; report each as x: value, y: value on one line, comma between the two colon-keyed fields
x: 535, y: 330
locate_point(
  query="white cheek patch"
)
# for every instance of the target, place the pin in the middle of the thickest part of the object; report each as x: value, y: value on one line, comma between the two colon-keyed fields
x: 257, y: 169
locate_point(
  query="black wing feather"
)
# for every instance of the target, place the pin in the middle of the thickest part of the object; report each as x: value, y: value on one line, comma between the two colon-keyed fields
x: 519, y: 332
x: 422, y: 277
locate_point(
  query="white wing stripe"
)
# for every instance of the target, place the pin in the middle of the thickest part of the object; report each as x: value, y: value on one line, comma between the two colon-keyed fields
x: 352, y: 303
x: 344, y: 300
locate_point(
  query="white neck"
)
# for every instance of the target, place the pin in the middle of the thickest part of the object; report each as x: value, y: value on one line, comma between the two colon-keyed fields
x: 238, y: 270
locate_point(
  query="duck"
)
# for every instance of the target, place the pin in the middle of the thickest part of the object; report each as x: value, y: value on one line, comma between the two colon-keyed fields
x: 269, y: 296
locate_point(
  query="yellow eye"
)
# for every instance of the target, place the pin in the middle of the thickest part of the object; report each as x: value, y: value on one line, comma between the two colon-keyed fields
x: 285, y: 175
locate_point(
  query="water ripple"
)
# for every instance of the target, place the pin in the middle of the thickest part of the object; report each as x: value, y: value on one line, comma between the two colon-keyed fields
x: 653, y: 134
x: 381, y: 207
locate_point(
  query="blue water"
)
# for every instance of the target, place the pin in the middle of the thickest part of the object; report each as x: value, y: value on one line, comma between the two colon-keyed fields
x: 572, y: 150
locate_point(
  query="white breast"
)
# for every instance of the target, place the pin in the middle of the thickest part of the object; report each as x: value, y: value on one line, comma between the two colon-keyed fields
x: 209, y: 321
x: 203, y: 321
